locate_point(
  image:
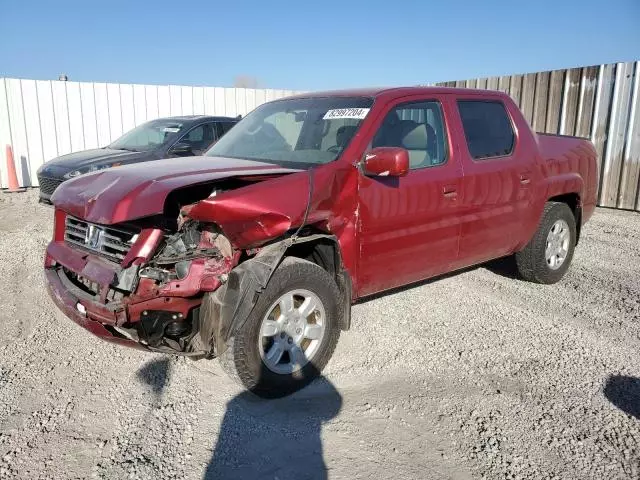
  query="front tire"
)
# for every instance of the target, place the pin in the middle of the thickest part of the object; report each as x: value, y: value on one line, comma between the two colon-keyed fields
x: 547, y: 256
x: 291, y: 333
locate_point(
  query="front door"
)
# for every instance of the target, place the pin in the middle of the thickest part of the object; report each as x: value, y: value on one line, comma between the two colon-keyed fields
x: 409, y: 226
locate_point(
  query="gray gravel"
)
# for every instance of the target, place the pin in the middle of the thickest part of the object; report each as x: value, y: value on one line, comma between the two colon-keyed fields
x: 476, y: 375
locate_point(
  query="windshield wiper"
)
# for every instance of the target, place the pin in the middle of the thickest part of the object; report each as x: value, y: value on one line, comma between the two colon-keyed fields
x: 128, y: 149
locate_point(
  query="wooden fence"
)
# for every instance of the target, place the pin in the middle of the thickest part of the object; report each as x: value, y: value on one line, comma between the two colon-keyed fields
x: 600, y: 102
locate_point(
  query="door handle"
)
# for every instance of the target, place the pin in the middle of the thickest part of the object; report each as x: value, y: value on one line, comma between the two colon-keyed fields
x: 449, y: 191
x: 524, y: 179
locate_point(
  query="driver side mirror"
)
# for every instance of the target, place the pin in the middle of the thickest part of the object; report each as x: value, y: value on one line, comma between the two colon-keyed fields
x: 181, y: 148
x: 386, y: 162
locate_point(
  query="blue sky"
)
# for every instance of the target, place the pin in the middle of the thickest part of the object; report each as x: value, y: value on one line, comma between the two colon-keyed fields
x: 305, y: 45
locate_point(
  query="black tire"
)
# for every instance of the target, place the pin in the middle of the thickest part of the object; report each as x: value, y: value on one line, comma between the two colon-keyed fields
x: 242, y: 360
x: 531, y: 261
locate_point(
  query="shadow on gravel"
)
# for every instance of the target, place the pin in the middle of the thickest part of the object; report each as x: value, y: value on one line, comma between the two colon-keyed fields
x: 279, y: 438
x: 624, y: 393
x: 155, y: 374
x: 505, y: 267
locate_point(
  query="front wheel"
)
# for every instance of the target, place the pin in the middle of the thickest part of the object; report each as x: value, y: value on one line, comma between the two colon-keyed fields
x: 548, y: 255
x: 291, y: 333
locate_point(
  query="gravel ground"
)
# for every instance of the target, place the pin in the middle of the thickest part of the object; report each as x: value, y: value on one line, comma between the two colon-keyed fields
x: 476, y: 375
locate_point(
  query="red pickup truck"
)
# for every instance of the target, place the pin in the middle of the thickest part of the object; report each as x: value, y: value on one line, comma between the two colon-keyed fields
x: 255, y: 252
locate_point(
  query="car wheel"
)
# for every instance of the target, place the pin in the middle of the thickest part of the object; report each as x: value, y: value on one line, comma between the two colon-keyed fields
x: 548, y: 254
x: 291, y: 333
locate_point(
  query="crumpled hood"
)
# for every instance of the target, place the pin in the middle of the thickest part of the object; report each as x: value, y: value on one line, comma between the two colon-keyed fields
x: 134, y: 191
x: 96, y: 156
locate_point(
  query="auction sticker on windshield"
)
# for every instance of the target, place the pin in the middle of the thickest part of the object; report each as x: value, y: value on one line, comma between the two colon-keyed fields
x: 355, y: 113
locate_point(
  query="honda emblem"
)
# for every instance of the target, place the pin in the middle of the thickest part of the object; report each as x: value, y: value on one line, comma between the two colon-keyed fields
x: 93, y: 237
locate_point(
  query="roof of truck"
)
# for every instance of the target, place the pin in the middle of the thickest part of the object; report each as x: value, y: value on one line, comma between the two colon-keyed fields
x: 396, y: 92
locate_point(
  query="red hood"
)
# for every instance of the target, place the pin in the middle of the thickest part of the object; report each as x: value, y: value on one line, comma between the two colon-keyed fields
x: 125, y: 193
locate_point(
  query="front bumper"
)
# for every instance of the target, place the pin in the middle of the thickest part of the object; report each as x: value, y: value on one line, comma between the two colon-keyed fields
x: 133, y: 319
x: 44, y: 199
x: 68, y: 302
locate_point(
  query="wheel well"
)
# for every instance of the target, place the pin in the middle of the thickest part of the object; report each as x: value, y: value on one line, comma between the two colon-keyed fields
x: 325, y: 253
x: 573, y: 202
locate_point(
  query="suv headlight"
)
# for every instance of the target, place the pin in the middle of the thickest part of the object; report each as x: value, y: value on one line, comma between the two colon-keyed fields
x: 92, y: 168
x: 75, y: 173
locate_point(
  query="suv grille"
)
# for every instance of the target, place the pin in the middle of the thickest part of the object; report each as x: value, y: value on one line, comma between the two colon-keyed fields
x: 107, y: 241
x: 48, y: 185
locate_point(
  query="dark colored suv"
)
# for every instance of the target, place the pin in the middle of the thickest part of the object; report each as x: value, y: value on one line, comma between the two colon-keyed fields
x: 154, y: 140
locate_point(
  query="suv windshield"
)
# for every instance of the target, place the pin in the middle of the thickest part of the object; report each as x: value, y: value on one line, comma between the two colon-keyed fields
x: 300, y: 130
x: 148, y: 136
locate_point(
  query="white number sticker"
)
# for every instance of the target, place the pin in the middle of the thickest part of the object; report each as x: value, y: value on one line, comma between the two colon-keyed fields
x: 355, y: 113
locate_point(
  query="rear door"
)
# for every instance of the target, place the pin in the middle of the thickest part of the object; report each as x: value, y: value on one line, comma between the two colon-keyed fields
x: 496, y: 186
x: 409, y: 226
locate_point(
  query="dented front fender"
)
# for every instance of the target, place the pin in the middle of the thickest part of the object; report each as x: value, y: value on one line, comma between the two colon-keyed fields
x: 258, y: 213
x: 226, y: 310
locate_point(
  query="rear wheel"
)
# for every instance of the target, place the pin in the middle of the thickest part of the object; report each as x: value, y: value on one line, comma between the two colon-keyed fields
x: 291, y: 333
x: 548, y: 255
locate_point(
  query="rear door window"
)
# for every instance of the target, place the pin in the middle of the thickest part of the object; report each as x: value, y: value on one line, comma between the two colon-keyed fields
x: 200, y: 138
x: 487, y: 128
x: 223, y: 127
x: 226, y: 126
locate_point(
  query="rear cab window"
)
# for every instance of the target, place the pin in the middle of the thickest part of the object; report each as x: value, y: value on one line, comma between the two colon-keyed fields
x: 487, y: 127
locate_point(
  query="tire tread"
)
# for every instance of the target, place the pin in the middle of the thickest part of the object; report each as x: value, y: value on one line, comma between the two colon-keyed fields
x: 235, y: 359
x: 530, y: 260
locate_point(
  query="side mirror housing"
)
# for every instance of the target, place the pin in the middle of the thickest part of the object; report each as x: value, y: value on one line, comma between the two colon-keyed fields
x: 386, y: 162
x: 181, y: 148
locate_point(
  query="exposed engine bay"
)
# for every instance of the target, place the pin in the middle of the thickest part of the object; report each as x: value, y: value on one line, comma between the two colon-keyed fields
x: 156, y: 302
x: 189, y: 263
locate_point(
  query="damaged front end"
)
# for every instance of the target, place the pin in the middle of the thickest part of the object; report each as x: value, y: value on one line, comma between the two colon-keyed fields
x: 152, y: 296
x: 182, y: 281
x: 182, y: 293
x: 187, y: 265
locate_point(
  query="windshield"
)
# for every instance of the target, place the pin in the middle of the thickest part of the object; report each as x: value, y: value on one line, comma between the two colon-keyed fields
x: 299, y: 130
x: 148, y: 136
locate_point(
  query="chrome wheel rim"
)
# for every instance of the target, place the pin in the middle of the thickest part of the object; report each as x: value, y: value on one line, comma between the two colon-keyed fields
x: 557, y: 248
x: 292, y: 331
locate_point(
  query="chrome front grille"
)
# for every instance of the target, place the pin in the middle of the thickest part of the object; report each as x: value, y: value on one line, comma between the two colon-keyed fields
x: 110, y: 242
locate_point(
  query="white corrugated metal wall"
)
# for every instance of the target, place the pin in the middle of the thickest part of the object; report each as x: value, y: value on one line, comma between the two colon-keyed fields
x: 43, y: 119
